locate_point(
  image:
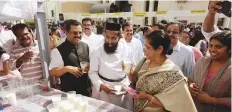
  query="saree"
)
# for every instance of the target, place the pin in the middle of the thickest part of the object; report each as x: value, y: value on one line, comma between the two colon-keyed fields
x: 219, y: 86
x: 168, y: 84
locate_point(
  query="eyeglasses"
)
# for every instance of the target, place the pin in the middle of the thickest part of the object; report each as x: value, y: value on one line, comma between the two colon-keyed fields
x: 173, y: 32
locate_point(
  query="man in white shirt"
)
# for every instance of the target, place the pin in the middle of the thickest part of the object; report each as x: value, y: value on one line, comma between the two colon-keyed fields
x: 66, y: 60
x: 182, y: 55
x: 134, y: 43
x: 106, y: 68
x: 88, y: 36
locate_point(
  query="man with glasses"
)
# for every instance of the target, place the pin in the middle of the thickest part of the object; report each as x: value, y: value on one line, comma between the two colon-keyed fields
x: 106, y: 69
x: 182, y: 55
x: 88, y: 36
x: 66, y: 59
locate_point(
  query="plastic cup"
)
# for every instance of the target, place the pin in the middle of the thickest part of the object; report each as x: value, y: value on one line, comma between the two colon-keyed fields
x: 11, y: 97
x: 118, y: 88
x: 71, y: 95
x: 52, y: 108
x: 84, y: 64
x: 127, y: 66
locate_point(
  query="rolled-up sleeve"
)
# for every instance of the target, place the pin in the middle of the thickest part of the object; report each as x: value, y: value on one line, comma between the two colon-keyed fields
x: 94, y: 69
x: 56, y: 59
x: 209, y: 35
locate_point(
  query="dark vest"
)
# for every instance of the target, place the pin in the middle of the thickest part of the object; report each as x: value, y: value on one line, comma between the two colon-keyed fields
x: 72, y: 56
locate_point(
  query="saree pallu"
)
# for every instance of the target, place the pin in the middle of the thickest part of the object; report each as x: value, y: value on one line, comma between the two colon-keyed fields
x: 218, y: 87
x: 168, y: 84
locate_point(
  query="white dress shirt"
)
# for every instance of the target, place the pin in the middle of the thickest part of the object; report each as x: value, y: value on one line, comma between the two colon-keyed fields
x: 93, y: 40
x: 108, y: 65
x: 136, y: 47
x: 56, y: 59
x: 183, y: 57
x: 209, y: 35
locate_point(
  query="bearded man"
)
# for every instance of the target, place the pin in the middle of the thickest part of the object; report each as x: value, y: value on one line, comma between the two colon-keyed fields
x: 106, y: 69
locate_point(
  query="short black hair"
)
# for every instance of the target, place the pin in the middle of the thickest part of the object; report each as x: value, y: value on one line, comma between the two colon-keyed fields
x: 181, y: 26
x: 2, y: 51
x: 53, y: 29
x: 145, y: 29
x: 69, y: 23
x: 87, y: 19
x: 158, y: 38
x: 160, y: 26
x: 125, y: 25
x: 223, y: 37
x: 20, y: 26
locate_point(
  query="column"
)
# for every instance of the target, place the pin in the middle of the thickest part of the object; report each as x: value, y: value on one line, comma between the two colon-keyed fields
x: 151, y: 5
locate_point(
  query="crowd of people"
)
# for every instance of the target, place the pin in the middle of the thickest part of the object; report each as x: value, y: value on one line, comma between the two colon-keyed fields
x: 174, y: 67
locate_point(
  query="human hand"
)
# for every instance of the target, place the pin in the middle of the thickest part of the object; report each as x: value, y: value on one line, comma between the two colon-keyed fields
x: 27, y: 56
x: 86, y: 70
x: 74, y: 70
x: 194, y: 89
x: 213, y: 7
x: 107, y: 89
x: 203, y: 97
x: 141, y: 95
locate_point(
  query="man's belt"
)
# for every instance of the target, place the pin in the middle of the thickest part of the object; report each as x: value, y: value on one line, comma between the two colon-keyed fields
x: 112, y: 80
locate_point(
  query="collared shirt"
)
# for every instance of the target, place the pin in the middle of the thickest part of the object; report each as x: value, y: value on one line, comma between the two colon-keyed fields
x: 183, y: 56
x: 31, y: 68
x: 136, y: 47
x: 57, y: 60
x: 142, y: 39
x: 108, y: 65
x: 93, y: 40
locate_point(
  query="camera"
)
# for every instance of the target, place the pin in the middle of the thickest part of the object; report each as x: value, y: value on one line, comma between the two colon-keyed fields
x: 226, y: 8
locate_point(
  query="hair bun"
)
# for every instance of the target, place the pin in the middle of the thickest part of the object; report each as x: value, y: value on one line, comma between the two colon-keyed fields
x: 169, y: 51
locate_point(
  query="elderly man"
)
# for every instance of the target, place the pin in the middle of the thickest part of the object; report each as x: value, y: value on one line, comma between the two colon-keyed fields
x: 67, y: 58
x: 182, y: 55
x: 24, y: 55
x: 106, y: 68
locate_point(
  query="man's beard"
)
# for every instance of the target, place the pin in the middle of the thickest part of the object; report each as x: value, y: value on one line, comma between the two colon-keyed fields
x: 110, y: 50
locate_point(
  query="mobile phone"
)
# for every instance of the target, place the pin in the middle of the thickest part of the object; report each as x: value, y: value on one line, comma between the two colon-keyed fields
x: 131, y: 91
x: 226, y: 8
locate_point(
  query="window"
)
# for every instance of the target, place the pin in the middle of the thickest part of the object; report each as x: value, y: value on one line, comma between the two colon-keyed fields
x: 155, y: 5
x: 147, y: 2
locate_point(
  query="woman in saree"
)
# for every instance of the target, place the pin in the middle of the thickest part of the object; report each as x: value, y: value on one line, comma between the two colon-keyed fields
x: 160, y: 83
x: 210, y: 83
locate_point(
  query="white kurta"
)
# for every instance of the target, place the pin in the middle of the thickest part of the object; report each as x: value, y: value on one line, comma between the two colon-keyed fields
x: 136, y: 47
x: 93, y: 40
x: 109, y: 66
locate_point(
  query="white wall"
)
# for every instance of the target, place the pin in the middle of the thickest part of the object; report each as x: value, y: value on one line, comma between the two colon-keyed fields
x: 52, y: 5
x: 138, y: 6
x: 189, y: 5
